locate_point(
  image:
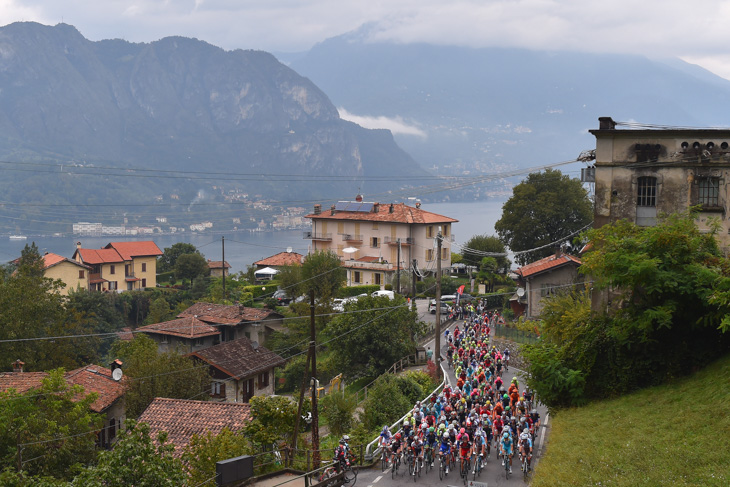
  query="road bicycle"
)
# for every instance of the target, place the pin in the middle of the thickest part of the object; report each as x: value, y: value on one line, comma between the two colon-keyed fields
x: 465, y: 464
x: 384, y: 459
x: 478, y: 464
x: 409, y: 461
x: 443, y: 464
x: 428, y: 458
x: 396, y: 465
x: 417, y: 465
x: 505, y: 464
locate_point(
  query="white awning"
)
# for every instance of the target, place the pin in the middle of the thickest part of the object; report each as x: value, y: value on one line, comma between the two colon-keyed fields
x: 266, y: 271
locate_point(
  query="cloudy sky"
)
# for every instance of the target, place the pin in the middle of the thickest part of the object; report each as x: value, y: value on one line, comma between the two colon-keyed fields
x: 697, y: 31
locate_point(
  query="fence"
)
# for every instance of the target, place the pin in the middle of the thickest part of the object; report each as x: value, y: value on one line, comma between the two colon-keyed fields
x: 515, y: 335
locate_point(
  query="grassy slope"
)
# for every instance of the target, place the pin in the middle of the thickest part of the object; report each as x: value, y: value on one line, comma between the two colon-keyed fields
x: 676, y: 434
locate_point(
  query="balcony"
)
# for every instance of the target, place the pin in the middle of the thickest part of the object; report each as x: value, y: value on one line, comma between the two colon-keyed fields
x: 394, y: 241
x: 317, y: 236
x: 350, y: 237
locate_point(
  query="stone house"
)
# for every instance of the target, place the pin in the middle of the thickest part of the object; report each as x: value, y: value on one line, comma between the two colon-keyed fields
x: 543, y: 278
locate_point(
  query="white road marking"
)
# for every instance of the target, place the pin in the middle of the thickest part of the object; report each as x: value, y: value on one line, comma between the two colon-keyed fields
x: 377, y: 479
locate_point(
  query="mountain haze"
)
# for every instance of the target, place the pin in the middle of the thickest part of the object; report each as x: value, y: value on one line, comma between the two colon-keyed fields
x: 177, y: 104
x: 489, y: 108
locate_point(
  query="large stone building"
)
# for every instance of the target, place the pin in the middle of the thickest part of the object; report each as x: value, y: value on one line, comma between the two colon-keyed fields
x: 367, y: 237
x: 641, y: 174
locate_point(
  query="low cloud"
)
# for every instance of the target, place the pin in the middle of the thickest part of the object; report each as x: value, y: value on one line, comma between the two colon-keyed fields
x: 395, y: 124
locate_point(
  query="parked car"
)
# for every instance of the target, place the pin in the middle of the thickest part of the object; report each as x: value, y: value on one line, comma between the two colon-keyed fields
x: 432, y: 307
x: 282, y: 297
x: 449, y: 298
x: 377, y: 294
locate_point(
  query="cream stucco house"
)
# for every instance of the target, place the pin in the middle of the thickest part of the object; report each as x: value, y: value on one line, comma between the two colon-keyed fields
x: 120, y: 266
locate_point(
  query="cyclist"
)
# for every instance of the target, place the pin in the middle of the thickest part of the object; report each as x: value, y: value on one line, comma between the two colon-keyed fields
x: 505, y: 447
x: 505, y: 354
x: 396, y: 447
x: 417, y: 446
x: 430, y: 441
x: 445, y: 450
x: 464, y: 447
x: 526, y: 447
x: 479, y: 448
x: 341, y: 455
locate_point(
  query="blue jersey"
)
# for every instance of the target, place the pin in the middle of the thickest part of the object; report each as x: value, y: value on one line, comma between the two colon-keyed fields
x: 445, y: 447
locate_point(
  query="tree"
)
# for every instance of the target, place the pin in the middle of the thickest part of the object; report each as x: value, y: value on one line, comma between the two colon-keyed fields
x: 338, y: 409
x: 136, y: 460
x: 166, y: 262
x: 485, y: 244
x: 156, y: 374
x: 53, y: 425
x: 381, y: 332
x: 273, y: 419
x: 202, y: 453
x: 190, y: 266
x: 545, y: 208
x: 159, y: 311
x: 321, y: 273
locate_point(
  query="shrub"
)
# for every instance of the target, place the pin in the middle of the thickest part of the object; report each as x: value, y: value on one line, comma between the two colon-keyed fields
x: 338, y: 410
x: 385, y: 404
x: 423, y: 380
x: 388, y: 287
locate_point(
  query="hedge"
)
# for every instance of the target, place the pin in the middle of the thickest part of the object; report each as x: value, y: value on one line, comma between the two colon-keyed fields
x: 258, y: 291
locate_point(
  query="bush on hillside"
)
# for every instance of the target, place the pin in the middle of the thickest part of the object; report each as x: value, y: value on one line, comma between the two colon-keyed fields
x: 386, y: 402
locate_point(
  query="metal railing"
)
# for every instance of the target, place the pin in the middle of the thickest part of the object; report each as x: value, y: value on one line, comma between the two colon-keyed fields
x: 370, y: 452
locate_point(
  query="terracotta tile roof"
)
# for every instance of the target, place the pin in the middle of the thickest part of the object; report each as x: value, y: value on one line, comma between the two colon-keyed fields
x: 218, y: 264
x: 227, y: 314
x: 186, y: 327
x: 402, y: 213
x: 546, y: 264
x: 135, y: 249
x: 126, y: 334
x: 93, y: 378
x: 182, y: 418
x: 99, y: 256
x: 238, y: 358
x: 281, y: 259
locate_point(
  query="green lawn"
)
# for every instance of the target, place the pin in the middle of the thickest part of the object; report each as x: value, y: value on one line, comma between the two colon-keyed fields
x: 676, y: 434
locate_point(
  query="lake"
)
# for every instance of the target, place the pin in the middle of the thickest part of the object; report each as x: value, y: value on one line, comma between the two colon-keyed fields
x: 244, y: 248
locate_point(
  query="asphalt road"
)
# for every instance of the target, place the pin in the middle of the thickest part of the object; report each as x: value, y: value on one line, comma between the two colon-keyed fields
x: 493, y: 474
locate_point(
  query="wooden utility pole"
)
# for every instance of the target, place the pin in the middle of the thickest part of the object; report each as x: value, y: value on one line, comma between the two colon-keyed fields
x: 438, y: 302
x: 315, y: 413
x: 223, y: 251
x: 397, y: 271
x: 305, y: 379
x: 413, y: 291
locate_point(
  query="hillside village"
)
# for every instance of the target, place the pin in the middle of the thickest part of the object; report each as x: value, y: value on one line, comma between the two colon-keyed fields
x: 235, y: 332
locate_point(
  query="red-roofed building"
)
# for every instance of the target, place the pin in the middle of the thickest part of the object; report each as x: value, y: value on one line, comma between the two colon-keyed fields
x: 183, y: 418
x: 93, y: 378
x: 120, y: 266
x: 545, y: 277
x: 240, y: 369
x: 358, y: 230
x: 282, y: 259
x: 74, y: 274
x: 236, y: 321
x: 218, y: 268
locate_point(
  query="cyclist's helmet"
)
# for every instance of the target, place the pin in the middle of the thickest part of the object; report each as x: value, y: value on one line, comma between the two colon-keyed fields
x: 446, y: 436
x: 505, y: 435
x: 507, y: 408
x: 346, y: 437
x: 505, y: 396
x: 462, y: 430
x: 430, y: 430
x: 524, y: 435
x: 397, y: 436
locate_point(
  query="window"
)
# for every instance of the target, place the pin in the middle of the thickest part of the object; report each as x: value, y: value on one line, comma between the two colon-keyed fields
x: 111, y: 269
x: 163, y: 339
x: 444, y: 254
x: 112, y: 285
x: 357, y: 277
x: 446, y: 231
x: 144, y: 266
x: 709, y: 191
x: 378, y: 278
x: 144, y: 282
x: 218, y: 389
x: 547, y: 290
x: 374, y: 242
x: 81, y: 274
x: 199, y: 342
x: 429, y: 254
x: 646, y: 195
x: 429, y: 231
x: 263, y: 380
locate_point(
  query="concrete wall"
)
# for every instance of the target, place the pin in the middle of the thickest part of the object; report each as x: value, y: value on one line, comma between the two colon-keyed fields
x: 68, y: 272
x: 557, y: 280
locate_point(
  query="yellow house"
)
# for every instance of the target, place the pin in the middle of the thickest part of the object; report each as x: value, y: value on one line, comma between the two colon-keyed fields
x: 74, y: 274
x: 121, y: 266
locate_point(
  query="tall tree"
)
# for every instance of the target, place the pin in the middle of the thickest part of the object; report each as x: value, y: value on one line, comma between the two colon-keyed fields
x: 369, y: 341
x: 166, y: 262
x: 156, y: 374
x: 48, y: 431
x: 191, y: 266
x: 546, y: 207
x: 475, y: 248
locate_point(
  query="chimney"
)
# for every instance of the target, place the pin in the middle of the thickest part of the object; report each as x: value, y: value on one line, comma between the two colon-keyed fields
x: 391, y: 208
x: 358, y: 198
x: 317, y: 209
x: 606, y: 123
x: 418, y: 204
x: 332, y: 210
x: 117, y: 364
x: 559, y: 252
x: 376, y: 207
x: 18, y: 366
x: 78, y: 245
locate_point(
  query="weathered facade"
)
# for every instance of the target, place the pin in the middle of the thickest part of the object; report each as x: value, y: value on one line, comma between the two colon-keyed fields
x: 642, y: 174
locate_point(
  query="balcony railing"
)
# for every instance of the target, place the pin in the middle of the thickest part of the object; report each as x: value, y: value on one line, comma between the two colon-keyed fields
x: 351, y: 237
x: 394, y: 241
x: 317, y: 236
x: 354, y: 264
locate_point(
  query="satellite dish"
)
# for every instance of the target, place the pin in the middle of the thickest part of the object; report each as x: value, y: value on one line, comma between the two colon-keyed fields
x: 520, y: 292
x: 288, y: 250
x: 117, y: 374
x: 255, y: 345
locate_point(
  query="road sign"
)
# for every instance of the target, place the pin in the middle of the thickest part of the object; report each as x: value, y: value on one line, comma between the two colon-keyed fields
x: 477, y: 484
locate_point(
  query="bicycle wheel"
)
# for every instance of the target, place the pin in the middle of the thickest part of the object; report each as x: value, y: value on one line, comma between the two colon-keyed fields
x: 415, y: 468
x: 476, y: 468
x: 524, y: 468
x: 506, y: 466
x: 383, y: 461
x: 394, y: 467
x: 441, y: 468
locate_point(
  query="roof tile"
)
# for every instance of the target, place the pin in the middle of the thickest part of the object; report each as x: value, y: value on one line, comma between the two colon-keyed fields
x: 401, y: 213
x: 226, y: 314
x: 238, y: 358
x: 135, y: 249
x: 547, y: 263
x: 281, y: 259
x: 186, y: 327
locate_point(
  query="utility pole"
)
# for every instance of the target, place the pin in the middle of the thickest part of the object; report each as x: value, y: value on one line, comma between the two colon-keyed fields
x: 397, y: 270
x: 301, y: 402
x: 315, y: 413
x: 413, y: 290
x: 223, y: 264
x: 438, y: 302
